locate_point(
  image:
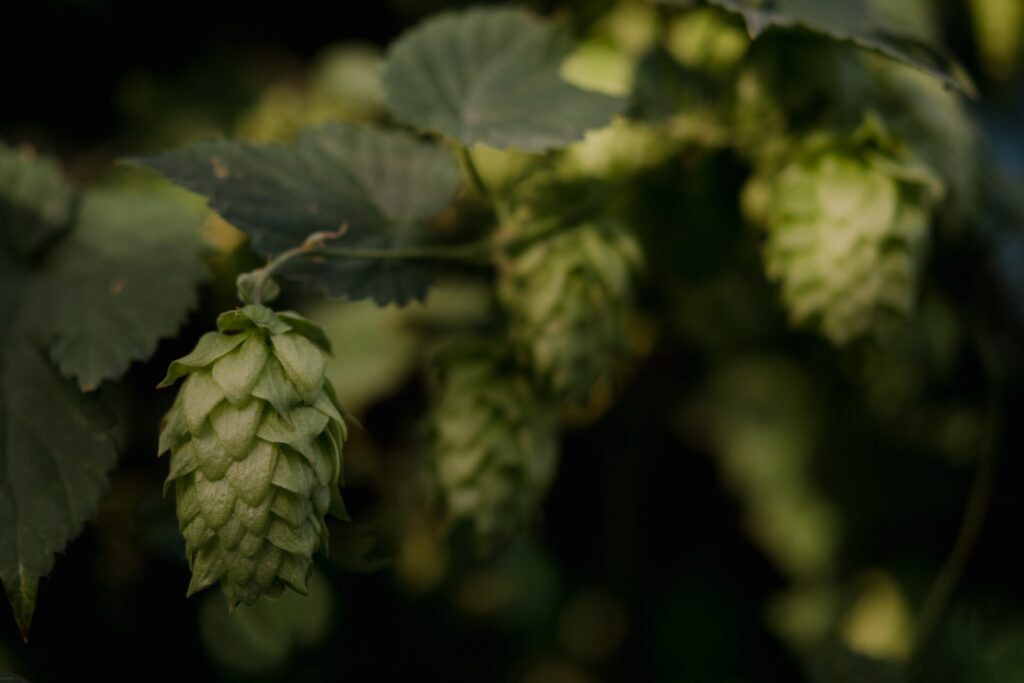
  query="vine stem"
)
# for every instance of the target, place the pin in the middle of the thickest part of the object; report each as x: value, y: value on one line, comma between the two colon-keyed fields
x: 315, y: 242
x: 479, y: 253
x: 477, y: 180
x: 482, y: 252
x: 942, y: 589
x: 471, y: 253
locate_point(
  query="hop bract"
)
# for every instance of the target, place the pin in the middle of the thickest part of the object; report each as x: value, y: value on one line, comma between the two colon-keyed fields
x: 568, y: 298
x: 847, y: 223
x: 255, y: 436
x: 495, y: 447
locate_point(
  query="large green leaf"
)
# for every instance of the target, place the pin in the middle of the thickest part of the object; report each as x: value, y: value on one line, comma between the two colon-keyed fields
x: 55, y: 452
x: 35, y: 201
x: 382, y: 185
x: 851, y: 21
x: 125, y: 278
x: 491, y: 76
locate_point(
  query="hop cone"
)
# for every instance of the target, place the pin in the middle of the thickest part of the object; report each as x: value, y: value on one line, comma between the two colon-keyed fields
x: 847, y: 223
x: 568, y: 297
x: 255, y: 436
x: 495, y: 448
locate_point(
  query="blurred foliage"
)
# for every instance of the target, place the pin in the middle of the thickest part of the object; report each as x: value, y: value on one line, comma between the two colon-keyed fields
x: 260, y: 639
x: 343, y: 85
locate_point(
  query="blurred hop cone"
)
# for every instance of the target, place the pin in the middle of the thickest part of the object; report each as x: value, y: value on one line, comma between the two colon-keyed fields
x: 495, y: 446
x: 568, y: 298
x: 255, y: 436
x: 847, y: 222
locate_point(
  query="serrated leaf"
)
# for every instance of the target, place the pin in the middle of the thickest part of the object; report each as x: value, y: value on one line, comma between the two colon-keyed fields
x: 124, y: 279
x: 382, y: 185
x: 55, y: 453
x: 491, y: 76
x: 35, y: 201
x: 850, y: 21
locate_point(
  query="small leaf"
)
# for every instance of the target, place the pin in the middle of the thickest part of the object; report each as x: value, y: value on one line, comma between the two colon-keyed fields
x: 253, y: 287
x: 303, y: 363
x: 124, y: 279
x: 211, y: 346
x: 381, y: 185
x: 491, y: 76
x: 307, y: 328
x: 35, y: 201
x: 849, y: 21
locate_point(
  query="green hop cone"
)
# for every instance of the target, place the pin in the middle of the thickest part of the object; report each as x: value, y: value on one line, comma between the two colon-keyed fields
x: 568, y: 299
x: 847, y: 222
x: 495, y: 446
x: 707, y: 39
x: 620, y: 149
x: 255, y: 436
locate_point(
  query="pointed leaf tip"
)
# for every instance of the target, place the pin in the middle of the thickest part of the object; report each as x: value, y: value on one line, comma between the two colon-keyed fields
x: 22, y: 596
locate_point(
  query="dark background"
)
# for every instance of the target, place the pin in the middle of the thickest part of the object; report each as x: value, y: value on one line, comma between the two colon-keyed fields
x: 638, y: 512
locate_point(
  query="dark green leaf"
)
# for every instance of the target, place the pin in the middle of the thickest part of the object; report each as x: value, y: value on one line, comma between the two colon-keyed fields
x: 124, y: 279
x: 491, y: 76
x: 382, y: 185
x: 55, y: 452
x: 35, y: 201
x: 851, y: 21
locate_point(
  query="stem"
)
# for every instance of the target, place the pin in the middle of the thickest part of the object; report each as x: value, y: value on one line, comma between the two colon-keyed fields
x: 475, y: 253
x: 313, y: 243
x: 479, y: 253
x: 942, y: 589
x: 519, y: 243
x: 475, y: 179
